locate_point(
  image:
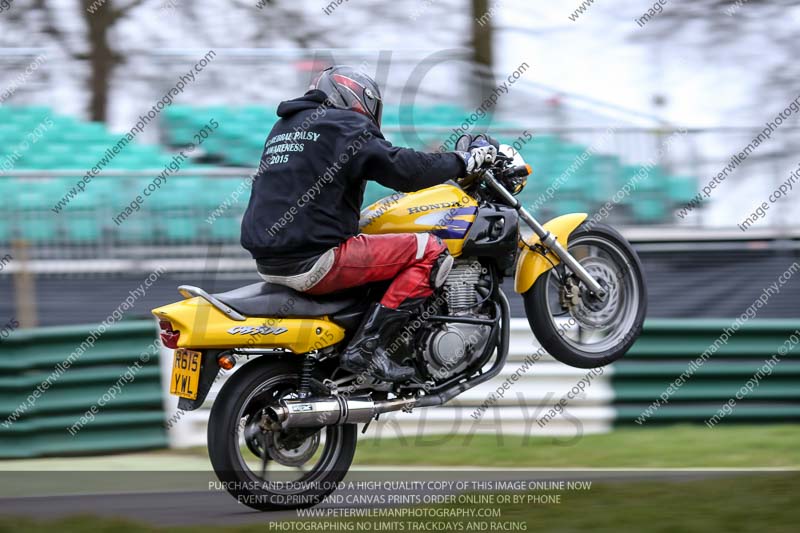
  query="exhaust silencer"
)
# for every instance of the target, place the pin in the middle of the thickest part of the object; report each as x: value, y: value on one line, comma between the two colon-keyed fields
x: 332, y: 410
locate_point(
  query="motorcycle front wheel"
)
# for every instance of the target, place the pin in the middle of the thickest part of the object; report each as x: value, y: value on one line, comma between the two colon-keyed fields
x: 573, y: 325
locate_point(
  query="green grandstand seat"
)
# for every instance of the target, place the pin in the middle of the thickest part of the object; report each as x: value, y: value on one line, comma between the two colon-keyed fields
x: 58, y: 188
x: 30, y: 195
x: 91, y: 132
x: 40, y: 160
x: 8, y: 191
x: 180, y: 228
x: 36, y: 228
x: 648, y: 210
x: 178, y: 114
x: 226, y: 228
x: 83, y: 227
x: 652, y: 180
x: 681, y: 188
x: 177, y: 193
x: 6, y: 233
x: 137, y: 228
x: 562, y: 207
x: 375, y: 192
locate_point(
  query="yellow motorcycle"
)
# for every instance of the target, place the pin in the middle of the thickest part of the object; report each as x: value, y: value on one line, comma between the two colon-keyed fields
x: 282, y: 430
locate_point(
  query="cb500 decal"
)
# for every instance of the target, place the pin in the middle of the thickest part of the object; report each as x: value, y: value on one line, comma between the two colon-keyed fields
x: 260, y: 330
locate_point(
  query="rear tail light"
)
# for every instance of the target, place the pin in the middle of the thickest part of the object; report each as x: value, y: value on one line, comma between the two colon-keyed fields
x: 169, y: 337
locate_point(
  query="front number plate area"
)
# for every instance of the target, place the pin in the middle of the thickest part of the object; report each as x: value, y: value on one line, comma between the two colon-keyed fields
x: 185, y: 373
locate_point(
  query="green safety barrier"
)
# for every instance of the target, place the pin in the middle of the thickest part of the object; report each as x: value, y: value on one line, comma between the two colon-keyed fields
x: 668, y: 348
x: 134, y: 418
x: 48, y: 383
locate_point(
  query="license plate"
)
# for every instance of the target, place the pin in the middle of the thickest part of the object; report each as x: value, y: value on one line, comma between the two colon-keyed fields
x: 185, y: 373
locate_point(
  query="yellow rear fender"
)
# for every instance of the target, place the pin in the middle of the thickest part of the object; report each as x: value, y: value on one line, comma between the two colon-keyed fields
x: 530, y: 264
x: 203, y: 326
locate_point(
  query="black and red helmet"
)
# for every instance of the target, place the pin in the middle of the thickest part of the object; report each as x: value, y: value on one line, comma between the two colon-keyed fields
x: 348, y: 88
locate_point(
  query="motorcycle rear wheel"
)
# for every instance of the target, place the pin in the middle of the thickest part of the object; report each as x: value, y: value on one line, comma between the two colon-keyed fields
x: 237, y: 447
x: 586, y: 332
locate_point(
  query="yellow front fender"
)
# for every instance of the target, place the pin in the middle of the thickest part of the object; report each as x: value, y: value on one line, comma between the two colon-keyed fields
x: 531, y: 265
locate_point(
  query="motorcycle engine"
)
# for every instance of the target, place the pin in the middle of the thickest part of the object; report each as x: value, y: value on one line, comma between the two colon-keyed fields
x: 446, y: 349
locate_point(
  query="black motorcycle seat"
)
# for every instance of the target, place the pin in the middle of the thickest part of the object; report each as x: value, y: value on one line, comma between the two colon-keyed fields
x: 264, y: 300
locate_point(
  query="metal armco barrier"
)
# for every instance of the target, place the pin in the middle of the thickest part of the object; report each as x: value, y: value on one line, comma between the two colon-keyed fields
x: 47, y: 406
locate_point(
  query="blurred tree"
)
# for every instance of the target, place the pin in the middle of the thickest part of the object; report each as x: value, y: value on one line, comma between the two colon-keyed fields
x: 104, y: 41
x: 762, y: 32
x: 42, y: 18
x: 482, y: 32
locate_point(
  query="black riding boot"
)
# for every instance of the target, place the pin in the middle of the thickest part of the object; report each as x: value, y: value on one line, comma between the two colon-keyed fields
x: 366, y: 352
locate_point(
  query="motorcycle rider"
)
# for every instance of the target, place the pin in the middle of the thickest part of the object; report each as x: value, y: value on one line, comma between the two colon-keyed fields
x: 301, y: 224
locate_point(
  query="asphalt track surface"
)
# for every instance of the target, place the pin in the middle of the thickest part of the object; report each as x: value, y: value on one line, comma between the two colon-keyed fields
x: 214, y: 507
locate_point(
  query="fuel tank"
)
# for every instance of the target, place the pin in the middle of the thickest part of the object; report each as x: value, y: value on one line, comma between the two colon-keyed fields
x: 444, y: 210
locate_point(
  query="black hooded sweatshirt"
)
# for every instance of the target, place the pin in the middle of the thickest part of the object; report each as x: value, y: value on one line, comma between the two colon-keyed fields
x: 308, y: 190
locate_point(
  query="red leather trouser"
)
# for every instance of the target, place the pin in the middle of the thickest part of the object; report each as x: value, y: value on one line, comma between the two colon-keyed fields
x: 408, y: 258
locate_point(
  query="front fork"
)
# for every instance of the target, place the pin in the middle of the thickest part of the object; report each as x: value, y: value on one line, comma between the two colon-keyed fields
x: 547, y: 238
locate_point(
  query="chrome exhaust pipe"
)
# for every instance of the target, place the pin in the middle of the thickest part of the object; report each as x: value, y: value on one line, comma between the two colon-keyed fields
x: 332, y: 411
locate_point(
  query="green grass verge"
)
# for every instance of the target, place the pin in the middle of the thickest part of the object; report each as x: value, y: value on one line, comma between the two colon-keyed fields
x: 740, y: 504
x: 680, y: 446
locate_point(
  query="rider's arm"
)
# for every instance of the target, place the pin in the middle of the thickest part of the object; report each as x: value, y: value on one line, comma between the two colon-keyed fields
x: 403, y: 169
